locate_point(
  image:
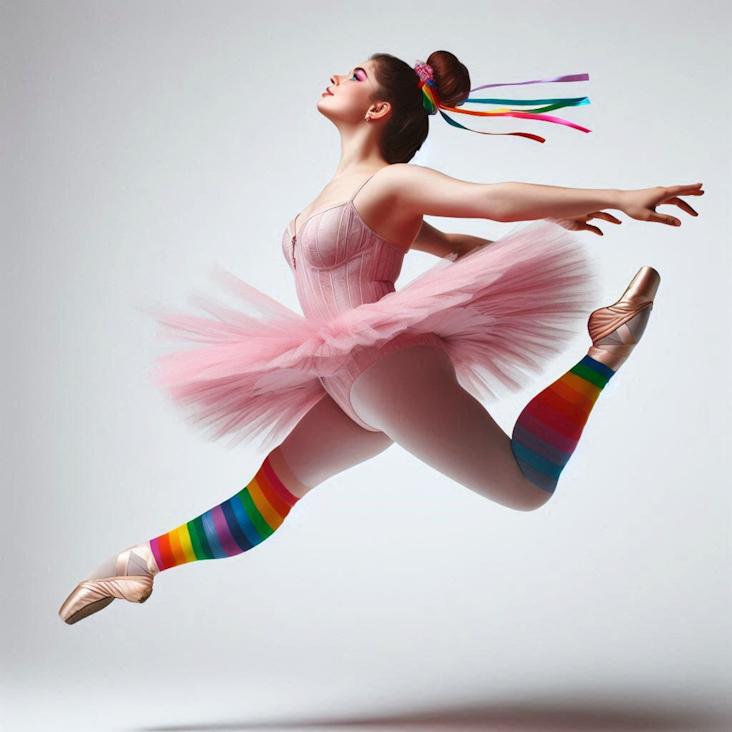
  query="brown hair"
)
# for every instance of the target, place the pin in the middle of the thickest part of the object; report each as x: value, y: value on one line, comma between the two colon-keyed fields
x: 408, y: 125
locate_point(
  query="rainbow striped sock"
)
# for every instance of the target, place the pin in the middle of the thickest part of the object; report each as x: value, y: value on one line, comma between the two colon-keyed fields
x: 232, y: 527
x: 548, y: 430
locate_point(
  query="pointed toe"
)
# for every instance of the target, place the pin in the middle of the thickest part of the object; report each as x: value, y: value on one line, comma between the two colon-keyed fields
x: 92, y: 595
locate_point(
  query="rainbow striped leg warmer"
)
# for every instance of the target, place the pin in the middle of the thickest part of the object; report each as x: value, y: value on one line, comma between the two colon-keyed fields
x: 548, y: 430
x: 232, y: 527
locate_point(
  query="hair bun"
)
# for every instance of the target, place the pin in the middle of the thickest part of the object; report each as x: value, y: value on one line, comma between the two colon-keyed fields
x: 450, y: 76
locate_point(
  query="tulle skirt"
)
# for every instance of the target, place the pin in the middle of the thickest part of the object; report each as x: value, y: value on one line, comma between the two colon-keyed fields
x: 503, y: 312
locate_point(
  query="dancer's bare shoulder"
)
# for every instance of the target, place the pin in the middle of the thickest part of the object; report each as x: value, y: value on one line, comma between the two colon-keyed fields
x: 381, y: 205
x: 422, y: 191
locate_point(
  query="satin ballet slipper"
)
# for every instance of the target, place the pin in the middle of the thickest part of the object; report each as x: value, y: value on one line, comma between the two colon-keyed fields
x: 615, y: 330
x: 92, y: 595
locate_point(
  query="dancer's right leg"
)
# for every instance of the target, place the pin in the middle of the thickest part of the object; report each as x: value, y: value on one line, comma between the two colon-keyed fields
x: 549, y: 428
x: 325, y: 442
x: 413, y: 396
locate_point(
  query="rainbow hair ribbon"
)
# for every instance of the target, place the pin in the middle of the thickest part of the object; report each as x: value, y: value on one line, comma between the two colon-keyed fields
x: 433, y: 105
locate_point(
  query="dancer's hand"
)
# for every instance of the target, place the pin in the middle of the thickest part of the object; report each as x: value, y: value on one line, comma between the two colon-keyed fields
x: 641, y: 204
x: 579, y: 223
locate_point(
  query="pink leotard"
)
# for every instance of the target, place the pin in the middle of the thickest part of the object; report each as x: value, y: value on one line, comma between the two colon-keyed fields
x: 339, y: 263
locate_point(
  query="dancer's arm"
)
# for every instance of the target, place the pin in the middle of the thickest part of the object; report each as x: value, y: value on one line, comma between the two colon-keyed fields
x: 423, y: 191
x: 441, y: 244
x: 465, y: 243
x: 529, y: 201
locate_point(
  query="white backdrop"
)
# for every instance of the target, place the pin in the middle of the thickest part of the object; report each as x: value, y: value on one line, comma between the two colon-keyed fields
x: 145, y: 142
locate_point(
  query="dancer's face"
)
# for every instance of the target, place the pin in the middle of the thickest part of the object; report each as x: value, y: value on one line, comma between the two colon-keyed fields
x: 352, y: 95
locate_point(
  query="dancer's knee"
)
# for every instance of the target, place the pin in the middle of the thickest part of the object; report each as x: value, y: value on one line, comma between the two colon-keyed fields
x: 533, y: 498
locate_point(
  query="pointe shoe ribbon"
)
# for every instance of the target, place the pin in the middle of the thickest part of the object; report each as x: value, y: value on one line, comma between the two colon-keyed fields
x: 613, y: 355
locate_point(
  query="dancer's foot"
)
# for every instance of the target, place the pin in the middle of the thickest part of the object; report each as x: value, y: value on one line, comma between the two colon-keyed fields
x: 127, y: 576
x: 615, y: 330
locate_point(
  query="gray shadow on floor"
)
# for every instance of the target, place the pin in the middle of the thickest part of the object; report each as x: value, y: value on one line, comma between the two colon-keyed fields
x: 586, y: 715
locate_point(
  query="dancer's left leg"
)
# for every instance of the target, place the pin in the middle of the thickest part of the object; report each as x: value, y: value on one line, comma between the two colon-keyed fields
x: 325, y: 442
x: 241, y: 522
x: 237, y: 524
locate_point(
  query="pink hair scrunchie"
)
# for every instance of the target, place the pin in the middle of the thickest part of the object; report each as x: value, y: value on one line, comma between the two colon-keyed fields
x: 424, y: 71
x: 426, y: 83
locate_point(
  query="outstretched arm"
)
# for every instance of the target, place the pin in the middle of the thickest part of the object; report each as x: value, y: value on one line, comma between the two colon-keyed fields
x: 423, y: 191
x: 528, y: 201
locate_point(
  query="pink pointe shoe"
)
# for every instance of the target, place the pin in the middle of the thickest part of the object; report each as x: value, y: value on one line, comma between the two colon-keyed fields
x: 92, y: 595
x: 615, y: 330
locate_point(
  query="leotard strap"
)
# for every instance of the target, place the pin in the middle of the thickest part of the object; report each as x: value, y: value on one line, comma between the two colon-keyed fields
x: 363, y: 184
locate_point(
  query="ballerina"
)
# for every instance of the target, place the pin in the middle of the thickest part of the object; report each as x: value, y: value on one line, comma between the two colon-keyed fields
x: 368, y: 366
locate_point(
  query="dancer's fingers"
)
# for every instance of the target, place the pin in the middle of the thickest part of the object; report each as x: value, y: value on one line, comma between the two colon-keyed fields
x: 687, y: 190
x: 661, y: 219
x: 605, y: 215
x: 681, y: 204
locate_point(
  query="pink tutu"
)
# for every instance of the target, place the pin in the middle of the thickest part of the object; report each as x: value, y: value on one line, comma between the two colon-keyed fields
x: 503, y: 312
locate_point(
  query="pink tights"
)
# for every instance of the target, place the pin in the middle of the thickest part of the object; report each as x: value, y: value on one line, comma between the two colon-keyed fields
x: 413, y: 397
